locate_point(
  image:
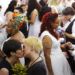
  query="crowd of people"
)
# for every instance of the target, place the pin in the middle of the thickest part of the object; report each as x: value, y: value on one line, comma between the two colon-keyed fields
x: 38, y: 36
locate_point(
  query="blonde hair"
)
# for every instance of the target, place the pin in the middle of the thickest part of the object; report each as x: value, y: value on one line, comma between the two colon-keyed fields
x: 34, y: 43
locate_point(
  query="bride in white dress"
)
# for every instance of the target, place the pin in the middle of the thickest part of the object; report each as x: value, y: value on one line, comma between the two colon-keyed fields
x: 35, y: 27
x: 33, y: 13
x: 55, y: 60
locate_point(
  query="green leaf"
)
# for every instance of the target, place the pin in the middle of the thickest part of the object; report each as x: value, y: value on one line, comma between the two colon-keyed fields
x: 19, y: 69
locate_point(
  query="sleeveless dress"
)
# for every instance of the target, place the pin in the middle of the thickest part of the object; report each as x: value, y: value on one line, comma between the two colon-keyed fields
x: 34, y: 29
x: 59, y: 62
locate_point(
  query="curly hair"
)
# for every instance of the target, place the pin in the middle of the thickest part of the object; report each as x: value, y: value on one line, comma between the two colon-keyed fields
x: 47, y: 21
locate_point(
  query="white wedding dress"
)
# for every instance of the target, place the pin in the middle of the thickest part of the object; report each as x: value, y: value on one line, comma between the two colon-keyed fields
x: 59, y: 62
x: 34, y: 29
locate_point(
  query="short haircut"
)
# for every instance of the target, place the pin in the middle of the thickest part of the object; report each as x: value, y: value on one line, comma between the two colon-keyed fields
x: 11, y: 46
x: 35, y: 43
x: 68, y: 11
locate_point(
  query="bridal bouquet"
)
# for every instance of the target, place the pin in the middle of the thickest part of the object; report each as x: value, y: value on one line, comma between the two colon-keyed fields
x: 19, y: 69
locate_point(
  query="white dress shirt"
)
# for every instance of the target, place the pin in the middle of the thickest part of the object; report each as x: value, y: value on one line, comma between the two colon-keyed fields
x: 73, y: 27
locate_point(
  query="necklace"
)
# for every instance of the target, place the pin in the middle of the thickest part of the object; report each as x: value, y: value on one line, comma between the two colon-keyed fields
x: 34, y: 61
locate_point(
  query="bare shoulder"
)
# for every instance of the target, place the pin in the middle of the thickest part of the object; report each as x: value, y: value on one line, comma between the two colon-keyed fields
x: 21, y: 34
x: 47, y: 39
x: 4, y: 71
x: 47, y: 42
x: 47, y: 45
x: 35, y: 11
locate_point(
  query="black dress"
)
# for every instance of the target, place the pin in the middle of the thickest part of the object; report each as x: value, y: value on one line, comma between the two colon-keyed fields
x: 37, y: 69
x: 5, y: 64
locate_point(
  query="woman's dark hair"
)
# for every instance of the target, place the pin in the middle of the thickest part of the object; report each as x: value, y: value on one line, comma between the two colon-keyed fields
x: 11, y: 6
x: 11, y: 46
x: 32, y: 4
x: 43, y: 11
x: 73, y: 5
x: 20, y: 9
x: 47, y: 21
x: 68, y: 11
x: 42, y: 3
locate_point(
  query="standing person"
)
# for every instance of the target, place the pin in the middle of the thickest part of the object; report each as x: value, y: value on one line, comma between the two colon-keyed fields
x: 13, y: 31
x: 69, y: 30
x: 11, y: 6
x: 55, y: 60
x: 33, y: 47
x: 69, y: 27
x: 9, y: 11
x: 13, y: 51
x: 33, y: 16
x: 43, y: 3
x: 25, y: 26
x: 3, y: 34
